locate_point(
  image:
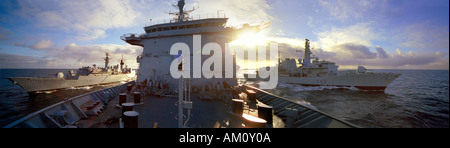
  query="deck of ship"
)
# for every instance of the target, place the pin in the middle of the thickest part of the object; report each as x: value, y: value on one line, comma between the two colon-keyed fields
x: 209, y: 109
x: 161, y: 112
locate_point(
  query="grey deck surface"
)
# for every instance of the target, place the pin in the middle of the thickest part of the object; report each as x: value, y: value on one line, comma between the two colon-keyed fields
x: 163, y: 110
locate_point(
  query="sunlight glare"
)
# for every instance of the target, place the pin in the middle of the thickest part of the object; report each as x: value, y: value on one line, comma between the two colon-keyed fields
x: 251, y: 39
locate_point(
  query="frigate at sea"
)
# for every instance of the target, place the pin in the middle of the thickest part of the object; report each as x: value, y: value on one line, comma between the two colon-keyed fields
x: 325, y: 73
x: 85, y: 76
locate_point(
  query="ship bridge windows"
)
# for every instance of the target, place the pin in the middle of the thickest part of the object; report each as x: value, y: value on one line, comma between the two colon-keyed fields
x: 187, y: 25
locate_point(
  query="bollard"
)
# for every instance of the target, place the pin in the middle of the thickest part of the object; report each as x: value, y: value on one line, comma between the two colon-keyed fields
x: 130, y: 119
x: 251, y: 95
x: 127, y: 107
x: 129, y: 87
x: 122, y: 98
x: 238, y: 106
x: 254, y: 122
x: 265, y: 112
x: 137, y: 97
x: 106, y: 96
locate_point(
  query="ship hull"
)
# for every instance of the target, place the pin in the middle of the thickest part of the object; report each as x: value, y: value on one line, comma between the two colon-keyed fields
x: 377, y: 81
x: 44, y: 84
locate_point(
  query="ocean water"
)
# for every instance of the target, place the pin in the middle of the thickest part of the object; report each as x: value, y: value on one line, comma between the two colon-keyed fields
x: 418, y: 99
x: 15, y: 102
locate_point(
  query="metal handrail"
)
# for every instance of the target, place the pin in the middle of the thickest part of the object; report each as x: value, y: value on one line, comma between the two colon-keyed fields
x: 131, y: 35
x: 318, y: 111
x: 192, y: 18
x: 67, y: 100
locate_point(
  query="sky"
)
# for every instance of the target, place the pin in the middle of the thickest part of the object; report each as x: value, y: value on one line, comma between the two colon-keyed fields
x: 378, y: 34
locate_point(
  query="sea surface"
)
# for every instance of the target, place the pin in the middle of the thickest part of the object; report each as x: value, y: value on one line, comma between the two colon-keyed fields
x: 417, y: 99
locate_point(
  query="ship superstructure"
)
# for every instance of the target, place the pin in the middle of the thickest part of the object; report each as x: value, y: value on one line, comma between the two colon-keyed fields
x: 158, y: 39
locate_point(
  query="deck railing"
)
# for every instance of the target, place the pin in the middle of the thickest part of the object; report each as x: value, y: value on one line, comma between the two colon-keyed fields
x: 191, y: 18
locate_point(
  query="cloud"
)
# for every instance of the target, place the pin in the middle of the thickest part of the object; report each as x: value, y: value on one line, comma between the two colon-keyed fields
x: 411, y: 60
x: 87, y: 19
x: 241, y: 12
x: 94, y: 54
x: 352, y: 46
x: 351, y: 55
x: 10, y: 61
x: 74, y: 56
x: 398, y: 51
x: 310, y: 21
x: 423, y: 36
x: 344, y: 9
x: 289, y: 50
x: 356, y: 51
x: 5, y: 33
x: 353, y: 49
x: 43, y: 44
x: 360, y: 33
x: 398, y: 60
x: 381, y: 53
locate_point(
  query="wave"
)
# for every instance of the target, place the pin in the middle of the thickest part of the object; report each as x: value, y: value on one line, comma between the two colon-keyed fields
x: 297, y: 87
x: 80, y: 88
x: 306, y: 103
x: 45, y: 92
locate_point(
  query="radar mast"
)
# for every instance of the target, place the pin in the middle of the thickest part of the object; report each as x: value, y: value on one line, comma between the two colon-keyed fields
x: 107, y: 60
x: 182, y: 15
x: 307, y: 59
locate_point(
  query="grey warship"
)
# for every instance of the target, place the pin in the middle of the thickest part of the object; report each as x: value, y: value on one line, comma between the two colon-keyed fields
x: 84, y: 76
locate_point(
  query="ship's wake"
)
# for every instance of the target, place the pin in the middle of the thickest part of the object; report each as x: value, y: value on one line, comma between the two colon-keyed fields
x: 80, y: 88
x: 296, y: 87
x: 45, y: 92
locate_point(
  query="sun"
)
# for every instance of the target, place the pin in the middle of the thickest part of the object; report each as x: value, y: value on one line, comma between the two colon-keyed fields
x: 251, y: 39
